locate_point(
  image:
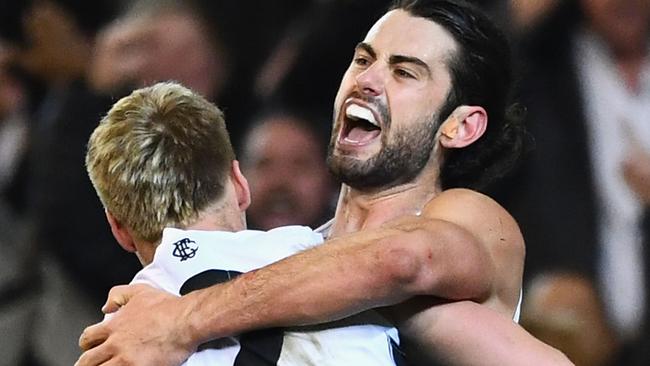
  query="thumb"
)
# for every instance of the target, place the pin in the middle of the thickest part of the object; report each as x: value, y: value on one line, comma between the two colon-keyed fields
x: 119, y: 296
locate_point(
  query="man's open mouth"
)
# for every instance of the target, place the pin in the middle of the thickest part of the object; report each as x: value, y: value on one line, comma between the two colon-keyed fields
x: 360, y: 125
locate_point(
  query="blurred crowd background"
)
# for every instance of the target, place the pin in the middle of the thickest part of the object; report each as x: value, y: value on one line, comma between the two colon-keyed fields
x: 581, y: 195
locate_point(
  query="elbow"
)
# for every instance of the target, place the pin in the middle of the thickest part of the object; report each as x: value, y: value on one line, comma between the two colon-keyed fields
x: 404, y: 267
x: 414, y: 265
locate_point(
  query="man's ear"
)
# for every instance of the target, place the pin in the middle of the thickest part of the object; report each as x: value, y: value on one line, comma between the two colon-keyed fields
x: 242, y: 190
x: 121, y: 233
x: 465, y: 125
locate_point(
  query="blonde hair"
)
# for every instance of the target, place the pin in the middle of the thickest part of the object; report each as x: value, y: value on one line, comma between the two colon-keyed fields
x: 159, y: 157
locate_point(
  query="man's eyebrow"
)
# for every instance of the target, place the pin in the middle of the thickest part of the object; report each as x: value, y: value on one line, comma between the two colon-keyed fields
x: 367, y: 48
x: 395, y: 59
x: 398, y: 59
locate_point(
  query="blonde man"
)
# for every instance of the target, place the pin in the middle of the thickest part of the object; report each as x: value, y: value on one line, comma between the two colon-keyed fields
x: 412, y: 145
x: 163, y: 166
x: 162, y: 157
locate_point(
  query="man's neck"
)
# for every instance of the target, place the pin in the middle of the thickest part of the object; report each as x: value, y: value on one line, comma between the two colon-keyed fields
x: 358, y: 210
x: 209, y: 220
x: 218, y: 223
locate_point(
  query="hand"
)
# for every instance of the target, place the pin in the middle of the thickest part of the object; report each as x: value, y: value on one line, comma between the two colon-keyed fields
x: 119, y: 57
x: 147, y: 330
x: 58, y: 49
x: 119, y: 296
x: 636, y: 171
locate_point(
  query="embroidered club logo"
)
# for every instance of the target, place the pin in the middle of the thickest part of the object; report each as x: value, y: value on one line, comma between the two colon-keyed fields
x: 185, y: 249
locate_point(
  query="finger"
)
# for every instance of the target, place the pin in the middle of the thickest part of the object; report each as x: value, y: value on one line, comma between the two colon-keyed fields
x: 114, y: 362
x: 94, y: 357
x: 93, y: 336
x: 118, y: 296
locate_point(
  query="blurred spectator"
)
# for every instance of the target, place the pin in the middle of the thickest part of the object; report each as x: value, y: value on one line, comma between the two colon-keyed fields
x: 636, y: 171
x: 205, y: 45
x: 52, y: 41
x: 17, y: 282
x: 580, y: 199
x: 519, y: 16
x: 156, y: 40
x: 18, y: 287
x: 526, y: 14
x: 284, y: 160
x: 306, y: 66
x: 565, y: 311
x: 66, y: 76
x: 13, y: 130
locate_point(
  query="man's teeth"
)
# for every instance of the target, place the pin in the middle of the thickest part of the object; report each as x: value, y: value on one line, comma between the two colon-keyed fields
x: 356, y: 112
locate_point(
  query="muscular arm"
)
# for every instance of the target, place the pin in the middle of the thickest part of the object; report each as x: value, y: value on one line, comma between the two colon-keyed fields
x: 428, y: 255
x: 341, y: 278
x: 466, y: 333
x: 434, y: 254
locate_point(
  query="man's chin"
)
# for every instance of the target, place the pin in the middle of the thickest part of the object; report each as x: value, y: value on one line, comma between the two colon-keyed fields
x: 356, y: 178
x: 367, y: 177
x: 351, y: 158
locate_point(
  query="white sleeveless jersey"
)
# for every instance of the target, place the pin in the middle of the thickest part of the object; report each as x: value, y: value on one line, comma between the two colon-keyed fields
x: 189, y: 259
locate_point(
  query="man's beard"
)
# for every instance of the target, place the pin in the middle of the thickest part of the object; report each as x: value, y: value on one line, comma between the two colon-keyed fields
x: 399, y: 161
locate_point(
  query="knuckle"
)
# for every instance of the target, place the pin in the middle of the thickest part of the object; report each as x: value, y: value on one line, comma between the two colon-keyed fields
x: 124, y: 361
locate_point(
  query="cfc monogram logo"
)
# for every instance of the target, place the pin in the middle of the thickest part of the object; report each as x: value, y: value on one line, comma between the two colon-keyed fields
x: 185, y: 249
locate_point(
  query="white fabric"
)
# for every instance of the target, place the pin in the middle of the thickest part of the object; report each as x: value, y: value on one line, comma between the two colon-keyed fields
x: 13, y: 144
x: 617, y: 119
x: 240, y: 251
x: 517, y: 313
x: 360, y: 340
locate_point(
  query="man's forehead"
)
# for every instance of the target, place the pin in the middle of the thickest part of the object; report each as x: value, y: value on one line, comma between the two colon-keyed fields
x: 398, y: 32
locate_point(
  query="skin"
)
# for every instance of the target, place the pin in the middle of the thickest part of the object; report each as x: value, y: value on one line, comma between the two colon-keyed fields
x: 636, y: 172
x: 495, y: 341
x: 564, y: 310
x: 527, y: 13
x: 388, y: 245
x: 289, y: 181
x: 626, y: 35
x: 226, y: 214
x: 624, y: 25
x: 12, y: 92
x: 58, y: 51
x: 142, y: 50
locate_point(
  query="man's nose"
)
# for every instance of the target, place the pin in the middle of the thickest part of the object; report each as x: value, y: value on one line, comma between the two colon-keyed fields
x: 280, y: 175
x: 371, y: 80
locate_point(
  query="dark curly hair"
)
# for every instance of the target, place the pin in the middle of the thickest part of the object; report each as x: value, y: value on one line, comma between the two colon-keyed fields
x: 481, y: 73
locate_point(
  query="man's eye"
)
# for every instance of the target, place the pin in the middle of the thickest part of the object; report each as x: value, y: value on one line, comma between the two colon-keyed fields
x: 404, y: 74
x: 361, y: 61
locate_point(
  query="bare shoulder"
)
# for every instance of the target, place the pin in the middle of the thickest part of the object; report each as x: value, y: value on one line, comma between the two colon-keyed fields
x: 495, y: 229
x: 465, y: 199
x: 477, y: 213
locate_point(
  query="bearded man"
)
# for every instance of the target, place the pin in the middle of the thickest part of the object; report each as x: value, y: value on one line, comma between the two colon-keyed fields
x: 412, y: 143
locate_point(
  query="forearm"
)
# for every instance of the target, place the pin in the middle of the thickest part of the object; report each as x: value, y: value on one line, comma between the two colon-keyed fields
x: 338, y: 279
x: 326, y: 283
